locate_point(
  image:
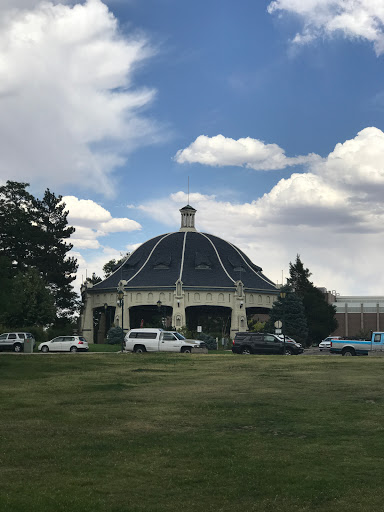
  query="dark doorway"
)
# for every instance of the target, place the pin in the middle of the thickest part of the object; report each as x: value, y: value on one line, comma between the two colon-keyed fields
x: 150, y: 316
x: 214, y: 320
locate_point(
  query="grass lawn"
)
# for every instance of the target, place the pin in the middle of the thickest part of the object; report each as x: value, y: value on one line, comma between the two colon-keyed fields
x: 172, y: 432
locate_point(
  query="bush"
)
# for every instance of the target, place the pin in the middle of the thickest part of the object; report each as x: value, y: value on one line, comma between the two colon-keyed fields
x: 210, y: 341
x: 115, y: 336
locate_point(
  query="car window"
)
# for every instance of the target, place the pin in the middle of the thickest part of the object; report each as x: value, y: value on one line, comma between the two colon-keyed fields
x: 21, y: 335
x: 169, y: 336
x: 3, y: 336
x: 12, y: 336
x: 56, y: 340
x: 133, y: 334
x: 82, y: 339
x: 68, y: 338
x: 271, y: 339
x: 179, y: 336
x: 147, y: 335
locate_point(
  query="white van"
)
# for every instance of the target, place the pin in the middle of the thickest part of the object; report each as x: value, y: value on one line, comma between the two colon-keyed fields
x: 158, y: 340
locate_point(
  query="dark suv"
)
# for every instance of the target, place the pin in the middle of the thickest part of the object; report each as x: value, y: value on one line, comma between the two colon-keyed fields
x: 263, y: 343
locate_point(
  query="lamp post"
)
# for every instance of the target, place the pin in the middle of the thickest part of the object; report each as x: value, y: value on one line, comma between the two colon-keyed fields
x: 120, y: 301
x: 282, y: 296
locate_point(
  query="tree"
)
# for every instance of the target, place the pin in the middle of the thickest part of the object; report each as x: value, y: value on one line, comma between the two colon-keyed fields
x: 113, y: 265
x: 33, y: 235
x: 19, y: 228
x: 58, y: 270
x: 94, y: 279
x: 291, y: 312
x: 6, y: 287
x: 321, y: 316
x: 34, y: 304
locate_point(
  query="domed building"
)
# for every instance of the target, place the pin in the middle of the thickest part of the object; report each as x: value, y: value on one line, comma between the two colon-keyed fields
x: 179, y: 279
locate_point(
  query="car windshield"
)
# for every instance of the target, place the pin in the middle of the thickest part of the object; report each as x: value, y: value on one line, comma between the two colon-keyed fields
x: 179, y: 336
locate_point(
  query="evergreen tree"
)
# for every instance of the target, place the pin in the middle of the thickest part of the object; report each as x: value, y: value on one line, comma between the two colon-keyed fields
x: 51, y: 258
x: 19, y: 231
x: 321, y: 316
x: 33, y: 303
x: 33, y: 235
x: 291, y: 312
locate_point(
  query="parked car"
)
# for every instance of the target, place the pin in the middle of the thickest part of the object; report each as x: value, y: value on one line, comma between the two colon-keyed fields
x: 15, y: 340
x: 263, y: 343
x: 158, y: 340
x: 65, y: 344
x: 288, y: 339
x: 326, y: 343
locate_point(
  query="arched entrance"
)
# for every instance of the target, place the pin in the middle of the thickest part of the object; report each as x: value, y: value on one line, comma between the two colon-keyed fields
x: 103, y: 320
x: 150, y: 316
x: 257, y: 314
x: 215, y: 320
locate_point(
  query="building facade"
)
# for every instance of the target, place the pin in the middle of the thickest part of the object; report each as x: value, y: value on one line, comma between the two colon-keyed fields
x: 184, y: 275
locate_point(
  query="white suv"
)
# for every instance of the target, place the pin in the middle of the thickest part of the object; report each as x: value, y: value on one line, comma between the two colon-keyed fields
x: 65, y: 344
x: 15, y: 340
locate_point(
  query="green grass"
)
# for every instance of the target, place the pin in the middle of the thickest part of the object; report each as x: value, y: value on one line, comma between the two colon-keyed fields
x: 168, y: 432
x: 104, y: 348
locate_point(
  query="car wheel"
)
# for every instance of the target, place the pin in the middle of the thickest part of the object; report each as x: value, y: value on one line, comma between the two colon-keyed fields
x: 139, y: 349
x: 348, y: 352
x: 246, y: 351
x: 288, y: 352
x: 17, y: 347
x: 73, y: 349
x: 186, y: 350
x: 45, y: 349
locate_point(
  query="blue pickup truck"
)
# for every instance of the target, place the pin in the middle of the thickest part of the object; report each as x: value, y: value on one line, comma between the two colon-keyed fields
x: 358, y: 347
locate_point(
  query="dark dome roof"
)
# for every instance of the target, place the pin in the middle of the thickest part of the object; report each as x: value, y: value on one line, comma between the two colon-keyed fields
x: 199, y: 260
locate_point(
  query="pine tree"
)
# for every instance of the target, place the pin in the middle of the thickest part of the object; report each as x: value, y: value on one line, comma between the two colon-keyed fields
x: 33, y: 235
x: 291, y: 312
x: 58, y: 270
x: 321, y: 316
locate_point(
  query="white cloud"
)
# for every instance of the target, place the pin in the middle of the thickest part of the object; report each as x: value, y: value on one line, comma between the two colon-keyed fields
x: 246, y: 152
x: 362, y: 19
x: 69, y: 110
x: 332, y: 216
x: 92, y: 222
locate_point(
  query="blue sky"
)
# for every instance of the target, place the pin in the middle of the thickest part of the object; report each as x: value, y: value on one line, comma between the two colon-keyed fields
x: 273, y: 109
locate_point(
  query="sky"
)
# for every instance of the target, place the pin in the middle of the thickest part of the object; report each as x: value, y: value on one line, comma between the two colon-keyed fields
x: 273, y: 111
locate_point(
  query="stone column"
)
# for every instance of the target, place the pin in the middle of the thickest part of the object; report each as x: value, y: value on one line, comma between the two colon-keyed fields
x: 86, y: 324
x: 179, y: 318
x: 238, y: 315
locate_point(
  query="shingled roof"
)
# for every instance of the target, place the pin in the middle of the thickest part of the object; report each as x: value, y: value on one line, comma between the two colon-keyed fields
x: 199, y: 260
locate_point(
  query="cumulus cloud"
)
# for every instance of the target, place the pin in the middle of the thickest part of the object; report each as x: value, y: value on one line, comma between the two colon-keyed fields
x: 362, y: 19
x: 332, y: 216
x: 92, y: 222
x: 246, y: 152
x: 69, y: 108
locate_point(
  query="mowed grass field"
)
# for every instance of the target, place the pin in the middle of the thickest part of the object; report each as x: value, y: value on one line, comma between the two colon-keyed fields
x: 173, y: 432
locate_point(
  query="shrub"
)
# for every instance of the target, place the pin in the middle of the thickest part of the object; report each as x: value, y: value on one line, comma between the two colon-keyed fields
x: 115, y: 336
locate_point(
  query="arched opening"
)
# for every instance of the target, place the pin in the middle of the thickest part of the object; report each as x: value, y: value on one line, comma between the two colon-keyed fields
x: 257, y: 314
x: 103, y: 320
x: 150, y: 316
x: 214, y: 320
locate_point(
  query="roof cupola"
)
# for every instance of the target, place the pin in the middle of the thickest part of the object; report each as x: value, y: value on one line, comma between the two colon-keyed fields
x: 187, y: 218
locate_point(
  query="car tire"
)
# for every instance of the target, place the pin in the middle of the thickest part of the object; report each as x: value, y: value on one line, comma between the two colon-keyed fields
x: 73, y: 349
x: 348, y: 352
x: 17, y: 347
x: 246, y: 351
x: 139, y: 349
x: 288, y: 352
x: 186, y: 350
x: 45, y: 349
